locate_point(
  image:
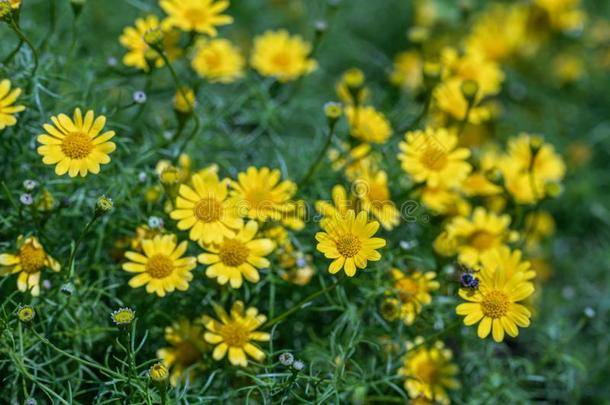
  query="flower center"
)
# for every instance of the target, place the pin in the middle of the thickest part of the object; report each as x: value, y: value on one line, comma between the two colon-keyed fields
x: 434, y: 158
x: 427, y: 371
x: 495, y: 304
x: 196, y: 16
x: 186, y: 353
x: 379, y: 195
x: 234, y: 334
x: 213, y: 60
x: 31, y: 258
x: 259, y: 199
x: 482, y: 240
x: 348, y: 245
x: 233, y: 253
x: 281, y: 60
x: 407, y: 288
x: 208, y: 210
x: 76, y: 145
x: 159, y: 266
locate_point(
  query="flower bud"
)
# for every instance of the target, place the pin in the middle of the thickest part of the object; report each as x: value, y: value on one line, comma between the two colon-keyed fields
x: 67, y: 288
x: 298, y: 365
x: 123, y: 317
x: 469, y: 89
x: 158, y: 373
x: 26, y: 313
x: 153, y: 37
x: 103, y: 205
x: 286, y: 359
x: 333, y: 112
x: 184, y: 101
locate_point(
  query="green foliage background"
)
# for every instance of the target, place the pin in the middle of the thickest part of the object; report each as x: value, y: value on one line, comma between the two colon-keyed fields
x: 562, y: 358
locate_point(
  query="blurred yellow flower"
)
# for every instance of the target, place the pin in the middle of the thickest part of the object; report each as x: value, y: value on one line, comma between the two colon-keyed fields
x: 448, y: 98
x: 407, y: 71
x: 206, y: 209
x: 186, y: 349
x: 341, y: 202
x: 445, y: 201
x: 413, y: 291
x: 349, y: 241
x: 478, y: 234
x: 235, y: 333
x: 429, y: 372
x: 202, y: 16
x: 185, y: 100
x: 29, y: 261
x: 432, y: 156
x: 495, y: 303
x: 75, y: 145
x: 280, y: 55
x: 473, y: 66
x: 563, y: 15
x: 7, y: 107
x: 371, y: 189
x: 237, y: 257
x: 261, y: 195
x: 568, y: 68
x: 218, y: 60
x: 368, y: 124
x: 350, y: 88
x: 140, y: 54
x: 162, y: 267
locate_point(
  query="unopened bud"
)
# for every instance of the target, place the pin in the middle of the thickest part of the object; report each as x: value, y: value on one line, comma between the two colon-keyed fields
x: 26, y: 313
x: 103, y: 205
x: 469, y: 89
x: 286, y: 359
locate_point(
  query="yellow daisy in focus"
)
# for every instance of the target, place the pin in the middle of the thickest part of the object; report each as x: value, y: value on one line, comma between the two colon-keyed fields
x: 368, y: 124
x: 201, y: 16
x: 186, y: 349
x: 280, y: 55
x: 218, y: 60
x: 235, y: 333
x: 495, y: 303
x: 139, y: 54
x: 414, y: 292
x: 76, y: 145
x: 161, y: 268
x: 429, y: 372
x: 238, y: 257
x: 371, y: 189
x: 29, y: 260
x: 479, y: 234
x: 432, y: 156
x: 349, y: 241
x: 206, y: 209
x: 7, y: 107
x: 262, y: 196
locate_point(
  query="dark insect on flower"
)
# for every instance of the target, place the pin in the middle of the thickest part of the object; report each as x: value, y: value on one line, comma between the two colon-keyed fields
x: 467, y: 278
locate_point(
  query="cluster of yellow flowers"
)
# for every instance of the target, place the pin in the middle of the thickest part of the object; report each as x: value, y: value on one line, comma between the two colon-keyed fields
x: 478, y: 191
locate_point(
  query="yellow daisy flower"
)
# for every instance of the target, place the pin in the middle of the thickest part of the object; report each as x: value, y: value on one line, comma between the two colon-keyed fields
x: 280, y: 55
x: 495, y: 303
x: 368, y: 124
x: 261, y: 194
x: 414, y: 292
x: 139, y: 53
x: 486, y: 73
x: 371, y: 189
x: 202, y: 16
x: 186, y: 349
x: 348, y: 241
x: 76, y: 145
x: 7, y: 109
x: 407, y: 71
x: 432, y: 156
x: 351, y: 85
x: 429, y: 372
x: 29, y: 261
x: 352, y: 159
x: 564, y: 15
x: 218, y: 60
x: 206, y: 210
x: 235, y: 333
x: 445, y: 201
x: 511, y: 262
x: 237, y: 256
x: 538, y: 226
x: 448, y: 98
x: 478, y: 234
x: 162, y: 267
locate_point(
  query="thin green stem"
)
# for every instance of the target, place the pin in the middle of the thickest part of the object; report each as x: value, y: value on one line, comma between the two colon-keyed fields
x: 22, y: 36
x: 314, y: 167
x: 70, y: 263
x: 300, y: 305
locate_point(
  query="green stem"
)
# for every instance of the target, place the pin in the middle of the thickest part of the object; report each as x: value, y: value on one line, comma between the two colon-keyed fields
x: 298, y: 306
x: 11, y: 55
x: 314, y: 167
x: 70, y: 264
x: 22, y: 36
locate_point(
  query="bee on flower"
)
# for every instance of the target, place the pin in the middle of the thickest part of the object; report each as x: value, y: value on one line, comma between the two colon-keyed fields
x: 29, y: 261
